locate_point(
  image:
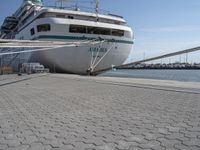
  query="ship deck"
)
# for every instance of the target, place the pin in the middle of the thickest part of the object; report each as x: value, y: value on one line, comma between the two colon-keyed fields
x: 71, y: 112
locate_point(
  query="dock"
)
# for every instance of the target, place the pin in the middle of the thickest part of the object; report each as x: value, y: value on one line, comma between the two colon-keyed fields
x: 72, y: 112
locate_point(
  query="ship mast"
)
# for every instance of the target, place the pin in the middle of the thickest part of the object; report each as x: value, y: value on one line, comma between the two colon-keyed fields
x: 97, y: 9
x: 97, y: 6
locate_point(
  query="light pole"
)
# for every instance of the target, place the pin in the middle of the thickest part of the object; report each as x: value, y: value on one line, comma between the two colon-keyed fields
x: 186, y: 57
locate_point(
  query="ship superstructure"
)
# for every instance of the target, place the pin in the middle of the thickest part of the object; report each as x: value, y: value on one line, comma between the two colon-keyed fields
x: 33, y: 21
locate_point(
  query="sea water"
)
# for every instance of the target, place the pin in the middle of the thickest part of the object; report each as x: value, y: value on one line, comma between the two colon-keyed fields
x: 178, y: 75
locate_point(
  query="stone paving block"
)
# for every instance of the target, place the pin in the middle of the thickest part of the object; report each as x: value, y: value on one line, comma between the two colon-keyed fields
x: 194, y: 129
x: 69, y: 141
x: 30, y: 139
x: 82, y: 146
x: 94, y: 141
x: 109, y: 139
x: 125, y: 133
x: 155, y: 145
x: 177, y: 136
x: 87, y: 135
x: 135, y: 148
x: 192, y: 142
x: 150, y: 136
x: 53, y: 143
x: 3, y: 146
x: 49, y: 135
x: 192, y: 124
x: 7, y: 131
x: 190, y: 135
x: 10, y: 136
x: 163, y: 131
x: 66, y: 136
x: 173, y: 129
x: 65, y: 147
x: 39, y: 146
x: 184, y: 147
x: 20, y: 147
x: 94, y: 115
x: 3, y: 141
x: 13, y: 143
x: 137, y: 138
x: 123, y: 145
x: 108, y: 146
x: 168, y: 143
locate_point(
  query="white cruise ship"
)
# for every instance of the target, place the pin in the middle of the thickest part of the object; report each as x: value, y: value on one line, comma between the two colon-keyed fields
x: 33, y: 21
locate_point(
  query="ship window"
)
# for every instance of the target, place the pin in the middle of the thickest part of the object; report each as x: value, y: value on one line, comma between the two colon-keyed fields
x: 101, y: 31
x: 95, y: 30
x: 77, y: 29
x: 32, y: 31
x: 117, y: 32
x: 23, y: 13
x: 60, y: 16
x: 43, y: 27
x: 70, y: 17
x: 105, y: 31
x: 90, y: 30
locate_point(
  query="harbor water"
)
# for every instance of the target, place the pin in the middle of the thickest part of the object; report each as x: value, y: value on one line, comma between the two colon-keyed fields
x: 177, y: 75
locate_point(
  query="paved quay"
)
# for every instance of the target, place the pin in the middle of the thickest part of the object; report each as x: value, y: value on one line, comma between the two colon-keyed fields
x: 70, y: 112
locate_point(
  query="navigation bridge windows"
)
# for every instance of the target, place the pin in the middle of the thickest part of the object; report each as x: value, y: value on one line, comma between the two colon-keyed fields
x: 43, y: 28
x: 95, y: 30
x: 32, y: 31
x: 77, y: 29
x: 117, y: 32
x: 81, y: 17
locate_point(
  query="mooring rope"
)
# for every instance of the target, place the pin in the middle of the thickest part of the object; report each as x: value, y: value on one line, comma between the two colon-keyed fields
x: 49, y: 47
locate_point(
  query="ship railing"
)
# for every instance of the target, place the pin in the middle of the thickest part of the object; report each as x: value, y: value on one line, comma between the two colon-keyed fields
x: 80, y: 8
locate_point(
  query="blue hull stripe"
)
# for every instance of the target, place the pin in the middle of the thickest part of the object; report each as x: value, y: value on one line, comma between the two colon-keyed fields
x: 79, y: 38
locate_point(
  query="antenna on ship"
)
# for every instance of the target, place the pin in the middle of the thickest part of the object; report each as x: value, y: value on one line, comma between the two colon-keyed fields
x: 97, y: 6
x: 97, y: 9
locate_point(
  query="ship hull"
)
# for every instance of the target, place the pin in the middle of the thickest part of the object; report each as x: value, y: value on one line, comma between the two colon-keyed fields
x: 80, y: 59
x: 51, y: 24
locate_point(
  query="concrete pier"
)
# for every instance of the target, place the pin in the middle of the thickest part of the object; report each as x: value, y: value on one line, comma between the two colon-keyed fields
x: 70, y: 112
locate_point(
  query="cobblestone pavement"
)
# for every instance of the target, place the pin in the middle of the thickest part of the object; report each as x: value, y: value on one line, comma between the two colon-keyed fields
x: 77, y: 113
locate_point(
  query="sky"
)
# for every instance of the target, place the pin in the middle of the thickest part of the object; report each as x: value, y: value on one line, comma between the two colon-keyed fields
x: 159, y: 26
